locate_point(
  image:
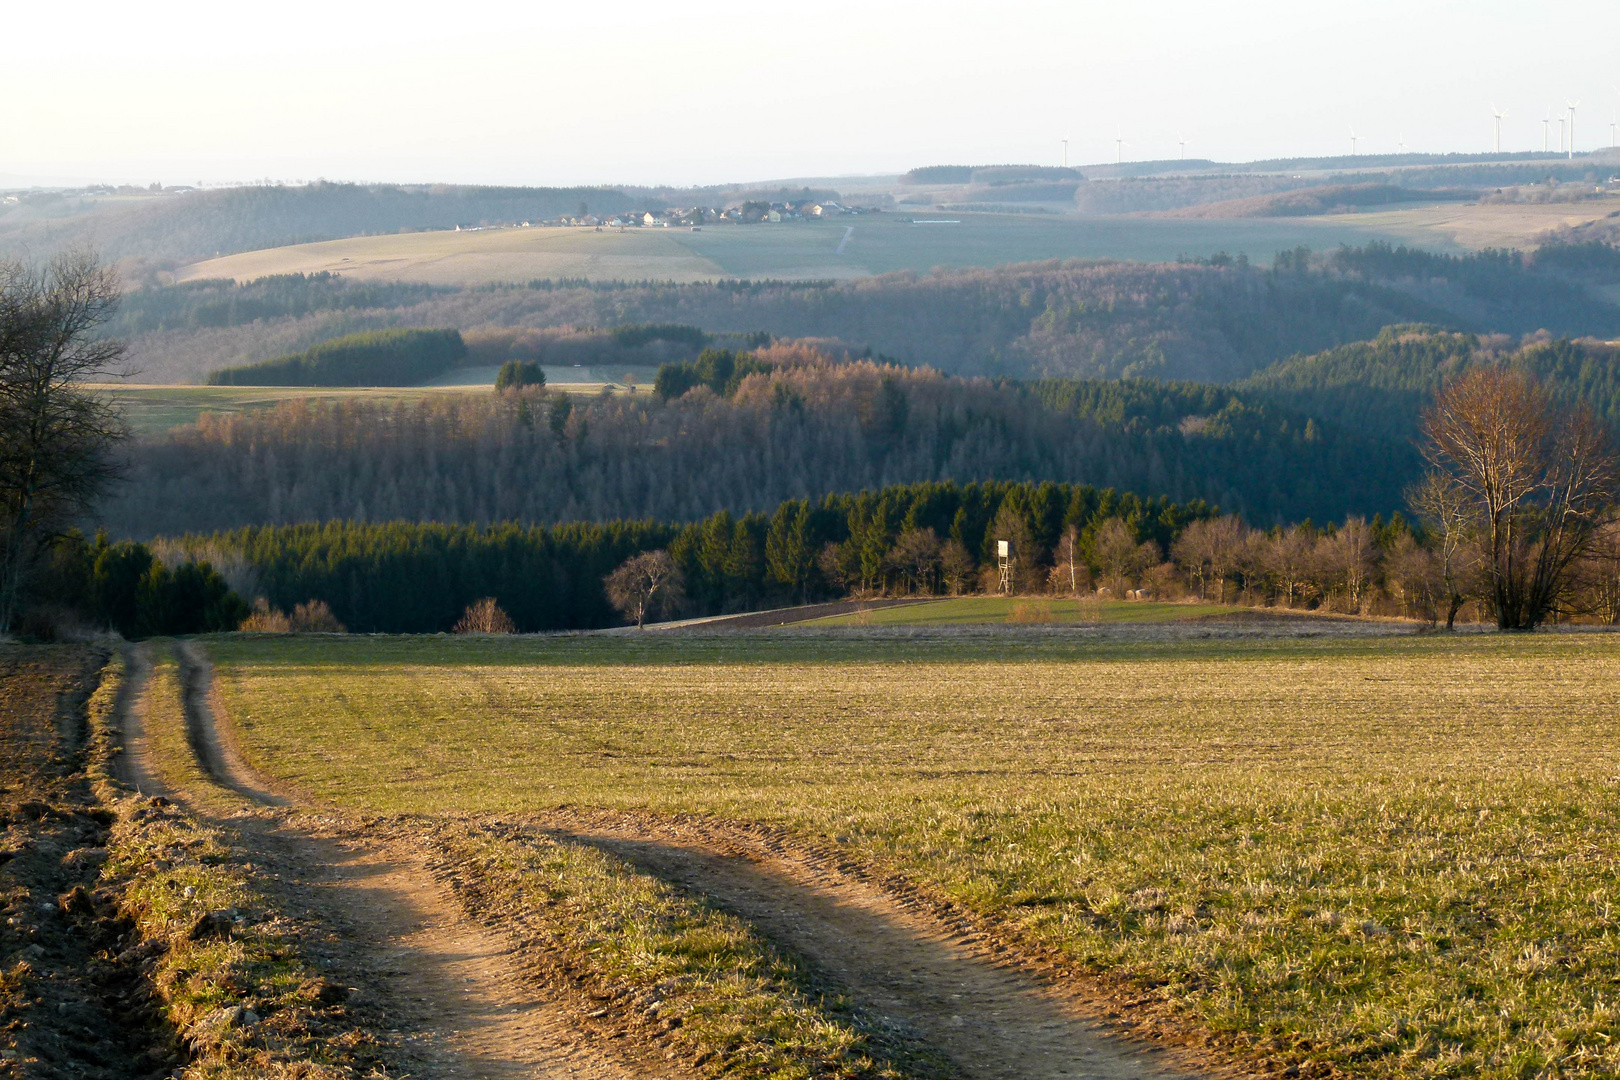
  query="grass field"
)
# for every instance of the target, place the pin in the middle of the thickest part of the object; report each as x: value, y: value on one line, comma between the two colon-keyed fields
x: 792, y: 250
x: 154, y: 408
x: 980, y: 610
x: 1476, y: 227
x: 1393, y: 856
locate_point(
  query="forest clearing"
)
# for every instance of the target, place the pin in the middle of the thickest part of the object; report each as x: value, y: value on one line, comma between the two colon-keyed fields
x: 155, y: 409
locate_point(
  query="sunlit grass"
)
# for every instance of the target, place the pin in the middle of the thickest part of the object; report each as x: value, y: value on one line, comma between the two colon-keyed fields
x: 975, y: 610
x: 1394, y: 855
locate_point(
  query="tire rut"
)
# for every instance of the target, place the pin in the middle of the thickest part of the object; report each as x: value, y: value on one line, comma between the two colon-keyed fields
x: 911, y: 973
x: 444, y: 993
x: 132, y: 765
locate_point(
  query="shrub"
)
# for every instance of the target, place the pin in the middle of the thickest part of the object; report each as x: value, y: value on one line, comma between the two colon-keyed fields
x: 266, y: 620
x: 1030, y: 611
x: 315, y: 617
x: 485, y: 617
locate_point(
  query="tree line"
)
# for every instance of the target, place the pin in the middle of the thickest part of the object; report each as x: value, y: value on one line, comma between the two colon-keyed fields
x: 373, y: 358
x: 421, y: 578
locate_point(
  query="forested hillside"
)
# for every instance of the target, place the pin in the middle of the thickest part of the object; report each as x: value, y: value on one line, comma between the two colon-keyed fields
x: 1213, y: 320
x: 798, y: 431
x: 1379, y: 387
x: 1323, y: 437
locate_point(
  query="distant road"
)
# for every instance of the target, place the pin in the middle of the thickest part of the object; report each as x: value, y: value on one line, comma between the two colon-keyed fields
x: 849, y: 231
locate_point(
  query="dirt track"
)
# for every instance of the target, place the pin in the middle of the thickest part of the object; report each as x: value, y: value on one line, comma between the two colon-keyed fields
x: 460, y: 1005
x: 440, y: 990
x: 911, y: 973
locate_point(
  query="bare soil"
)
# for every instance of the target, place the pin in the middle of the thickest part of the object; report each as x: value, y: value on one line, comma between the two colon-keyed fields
x: 69, y: 1007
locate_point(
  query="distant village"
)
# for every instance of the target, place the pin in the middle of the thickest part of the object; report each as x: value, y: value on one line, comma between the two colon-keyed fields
x: 746, y: 213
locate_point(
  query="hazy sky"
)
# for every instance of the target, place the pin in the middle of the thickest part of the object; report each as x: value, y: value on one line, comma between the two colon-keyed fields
x: 708, y: 92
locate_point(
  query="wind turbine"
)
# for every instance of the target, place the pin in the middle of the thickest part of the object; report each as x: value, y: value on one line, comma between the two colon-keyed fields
x: 1573, y: 105
x: 1498, y: 115
x: 1183, y: 139
x: 1561, y: 123
x: 1119, y: 148
x: 1546, y: 130
x: 1065, y: 153
x: 1352, y: 142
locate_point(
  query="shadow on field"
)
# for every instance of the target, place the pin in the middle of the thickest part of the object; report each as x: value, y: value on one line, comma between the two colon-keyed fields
x: 1239, y: 634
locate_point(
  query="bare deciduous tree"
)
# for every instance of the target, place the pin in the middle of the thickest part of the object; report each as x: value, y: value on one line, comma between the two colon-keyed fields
x: 916, y: 555
x: 1285, y: 555
x: 485, y: 617
x: 1598, y: 576
x: 1442, y: 504
x: 1412, y: 573
x: 1537, y: 478
x: 56, y: 437
x: 956, y: 566
x: 1208, y: 549
x: 1347, y: 559
x: 645, y: 584
x: 1118, y: 555
x: 1068, y: 568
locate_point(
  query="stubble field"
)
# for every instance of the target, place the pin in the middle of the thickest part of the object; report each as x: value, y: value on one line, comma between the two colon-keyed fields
x: 1394, y: 857
x: 801, y: 250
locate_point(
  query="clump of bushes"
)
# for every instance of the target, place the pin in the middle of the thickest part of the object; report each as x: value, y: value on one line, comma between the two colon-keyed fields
x: 485, y: 617
x: 310, y: 617
x: 516, y: 374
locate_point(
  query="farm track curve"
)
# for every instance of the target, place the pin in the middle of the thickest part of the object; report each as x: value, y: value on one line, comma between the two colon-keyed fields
x: 909, y: 971
x: 445, y: 994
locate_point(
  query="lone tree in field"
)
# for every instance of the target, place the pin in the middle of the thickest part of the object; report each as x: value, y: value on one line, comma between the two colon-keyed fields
x: 645, y: 584
x: 56, y: 437
x: 1537, y: 481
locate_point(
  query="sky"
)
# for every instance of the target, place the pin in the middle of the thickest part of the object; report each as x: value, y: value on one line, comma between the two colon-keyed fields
x: 714, y: 91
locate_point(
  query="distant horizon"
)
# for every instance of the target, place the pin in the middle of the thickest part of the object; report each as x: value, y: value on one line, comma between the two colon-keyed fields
x: 649, y: 95
x: 15, y: 182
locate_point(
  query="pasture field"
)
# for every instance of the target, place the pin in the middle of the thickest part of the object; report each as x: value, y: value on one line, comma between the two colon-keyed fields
x: 792, y: 250
x: 1474, y: 227
x: 981, y: 610
x: 155, y: 408
x: 1391, y: 857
